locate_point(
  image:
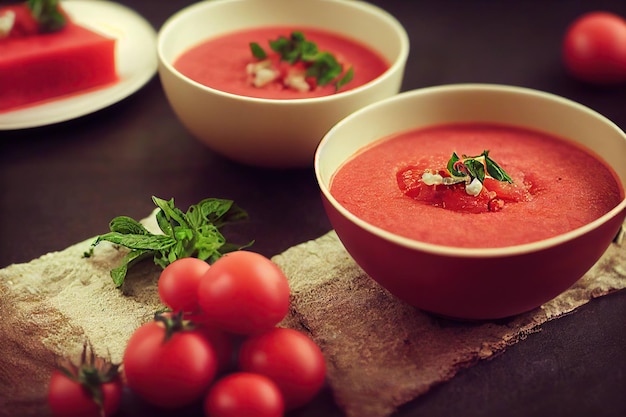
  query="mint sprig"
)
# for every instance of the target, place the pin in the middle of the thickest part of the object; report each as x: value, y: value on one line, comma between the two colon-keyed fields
x: 478, y: 166
x: 321, y: 65
x: 48, y: 15
x: 195, y: 233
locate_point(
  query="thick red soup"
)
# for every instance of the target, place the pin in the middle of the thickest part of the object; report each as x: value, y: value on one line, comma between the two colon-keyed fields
x: 226, y: 63
x: 399, y: 184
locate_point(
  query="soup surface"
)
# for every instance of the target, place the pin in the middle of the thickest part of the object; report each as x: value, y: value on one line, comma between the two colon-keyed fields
x: 557, y: 186
x: 222, y: 62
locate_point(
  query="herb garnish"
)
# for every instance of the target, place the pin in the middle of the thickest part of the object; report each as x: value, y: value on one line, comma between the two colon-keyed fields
x: 478, y: 167
x: 321, y: 65
x: 194, y: 233
x: 47, y: 14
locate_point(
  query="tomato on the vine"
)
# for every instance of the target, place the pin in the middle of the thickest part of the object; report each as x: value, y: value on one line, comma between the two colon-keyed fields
x: 594, y: 48
x: 167, y: 365
x: 289, y: 358
x: 178, y: 283
x: 223, y: 343
x: 69, y: 398
x: 244, y: 292
x: 244, y: 394
x: 92, y: 388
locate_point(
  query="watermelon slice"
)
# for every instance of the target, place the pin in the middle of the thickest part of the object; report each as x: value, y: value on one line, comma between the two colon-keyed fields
x: 46, y: 66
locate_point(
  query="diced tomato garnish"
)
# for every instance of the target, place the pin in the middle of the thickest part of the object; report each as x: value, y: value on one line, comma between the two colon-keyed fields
x: 25, y: 24
x: 493, y: 196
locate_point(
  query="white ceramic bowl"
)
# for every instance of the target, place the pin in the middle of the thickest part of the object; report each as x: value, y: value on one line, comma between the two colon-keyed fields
x: 270, y: 132
x: 495, y: 282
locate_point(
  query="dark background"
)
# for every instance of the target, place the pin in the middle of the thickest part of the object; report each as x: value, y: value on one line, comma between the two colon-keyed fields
x: 62, y: 184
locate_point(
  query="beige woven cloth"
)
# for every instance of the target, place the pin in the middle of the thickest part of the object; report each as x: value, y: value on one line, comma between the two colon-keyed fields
x: 382, y: 353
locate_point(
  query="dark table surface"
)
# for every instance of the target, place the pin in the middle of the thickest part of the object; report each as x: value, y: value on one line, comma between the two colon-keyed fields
x: 62, y: 184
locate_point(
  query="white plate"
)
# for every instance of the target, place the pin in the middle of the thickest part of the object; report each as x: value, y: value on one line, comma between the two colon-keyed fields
x: 136, y: 64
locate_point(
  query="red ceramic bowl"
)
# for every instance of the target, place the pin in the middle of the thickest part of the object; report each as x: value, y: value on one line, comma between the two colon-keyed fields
x: 496, y: 282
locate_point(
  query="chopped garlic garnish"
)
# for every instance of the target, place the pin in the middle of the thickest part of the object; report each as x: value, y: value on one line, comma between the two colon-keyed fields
x: 297, y: 81
x: 474, y: 188
x: 432, y: 179
x: 262, y: 73
x: 7, y: 20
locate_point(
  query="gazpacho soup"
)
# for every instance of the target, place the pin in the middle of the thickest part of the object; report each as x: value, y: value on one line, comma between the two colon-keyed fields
x: 281, y: 63
x: 476, y: 185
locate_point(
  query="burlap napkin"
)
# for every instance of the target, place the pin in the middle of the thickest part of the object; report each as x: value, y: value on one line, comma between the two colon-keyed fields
x: 382, y: 353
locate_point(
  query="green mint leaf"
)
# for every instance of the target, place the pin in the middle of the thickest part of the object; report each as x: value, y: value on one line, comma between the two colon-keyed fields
x: 47, y: 14
x: 308, y: 51
x: 297, y: 37
x: 257, y: 51
x: 475, y: 168
x: 164, y: 223
x: 161, y: 258
x: 195, y: 233
x: 287, y: 50
x: 145, y: 242
x: 119, y: 274
x: 495, y: 170
x: 348, y: 76
x: 127, y: 225
x: 323, y: 66
x: 215, y: 211
x: 171, y: 213
x: 209, y: 248
x: 451, y: 165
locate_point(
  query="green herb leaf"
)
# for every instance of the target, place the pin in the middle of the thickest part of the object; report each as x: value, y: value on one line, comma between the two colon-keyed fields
x: 195, y: 233
x: 477, y: 167
x: 48, y: 15
x: 323, y: 66
x: 127, y: 225
x: 171, y: 213
x: 347, y: 77
x: 132, y: 241
x: 119, y: 274
x: 257, y: 51
x: 494, y: 170
x: 451, y: 165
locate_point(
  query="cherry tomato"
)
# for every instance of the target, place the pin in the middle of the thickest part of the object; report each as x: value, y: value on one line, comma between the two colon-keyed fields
x: 223, y: 343
x: 244, y: 394
x: 594, y: 48
x: 178, y: 283
x: 289, y: 358
x: 244, y: 292
x: 69, y: 398
x: 170, y: 372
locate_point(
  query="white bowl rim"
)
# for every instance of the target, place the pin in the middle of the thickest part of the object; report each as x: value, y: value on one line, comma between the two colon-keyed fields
x: 396, y: 65
x: 460, y: 251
